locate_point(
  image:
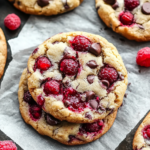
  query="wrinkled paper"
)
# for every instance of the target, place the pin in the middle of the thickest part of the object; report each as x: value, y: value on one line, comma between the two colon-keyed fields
x: 38, y: 29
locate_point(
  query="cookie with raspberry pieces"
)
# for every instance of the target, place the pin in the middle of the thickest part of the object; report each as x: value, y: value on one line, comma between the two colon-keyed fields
x: 129, y: 18
x: 62, y: 131
x: 46, y: 7
x: 85, y: 79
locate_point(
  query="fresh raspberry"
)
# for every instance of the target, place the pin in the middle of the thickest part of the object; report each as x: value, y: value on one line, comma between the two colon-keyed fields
x: 40, y: 100
x: 109, y: 74
x: 42, y: 63
x: 35, y: 111
x: 80, y: 43
x: 126, y: 18
x: 131, y: 4
x: 148, y: 132
x: 52, y: 87
x: 143, y: 57
x: 12, y: 22
x: 69, y: 67
x: 27, y: 97
x: 7, y: 145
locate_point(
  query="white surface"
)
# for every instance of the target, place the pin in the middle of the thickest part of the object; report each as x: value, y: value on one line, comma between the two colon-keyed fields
x: 36, y: 30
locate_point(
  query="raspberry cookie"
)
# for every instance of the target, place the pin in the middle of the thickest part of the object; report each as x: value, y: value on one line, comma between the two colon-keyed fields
x: 127, y: 17
x: 46, y: 7
x: 3, y: 52
x: 141, y: 139
x: 77, y: 76
x: 62, y: 131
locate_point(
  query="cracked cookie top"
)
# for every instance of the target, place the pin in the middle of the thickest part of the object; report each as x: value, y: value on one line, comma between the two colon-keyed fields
x: 62, y: 131
x: 45, y: 7
x: 141, y: 139
x: 127, y: 17
x: 3, y: 52
x: 77, y: 76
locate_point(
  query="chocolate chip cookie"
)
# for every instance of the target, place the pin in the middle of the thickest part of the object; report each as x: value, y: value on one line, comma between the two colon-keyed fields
x: 141, y: 139
x: 46, y: 7
x: 62, y: 131
x: 127, y: 17
x: 78, y: 77
x: 3, y: 52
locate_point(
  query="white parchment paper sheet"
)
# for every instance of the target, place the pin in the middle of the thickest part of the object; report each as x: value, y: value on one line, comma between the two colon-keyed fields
x: 36, y: 30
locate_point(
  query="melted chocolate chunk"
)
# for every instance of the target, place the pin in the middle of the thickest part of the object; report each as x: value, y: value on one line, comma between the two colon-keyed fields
x: 43, y: 3
x: 92, y: 64
x: 95, y: 49
x: 106, y: 83
x: 110, y: 2
x: 87, y: 115
x: 146, y: 8
x: 93, y: 104
x: 115, y: 6
x: 90, y: 95
x: 51, y: 120
x: 90, y: 78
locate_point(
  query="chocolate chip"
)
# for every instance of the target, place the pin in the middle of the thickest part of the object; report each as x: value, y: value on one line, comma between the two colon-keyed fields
x: 92, y: 64
x: 67, y: 103
x: 121, y: 76
x: 106, y: 83
x: 90, y: 78
x: 110, y: 2
x: 95, y: 49
x: 51, y: 120
x: 146, y: 8
x: 90, y: 95
x: 93, y: 104
x: 115, y: 6
x: 43, y: 3
x: 87, y: 115
x: 141, y: 27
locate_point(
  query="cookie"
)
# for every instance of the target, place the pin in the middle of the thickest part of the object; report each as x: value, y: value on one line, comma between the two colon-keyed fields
x: 77, y: 77
x: 3, y: 52
x: 141, y: 139
x: 46, y: 7
x: 129, y: 18
x: 62, y: 131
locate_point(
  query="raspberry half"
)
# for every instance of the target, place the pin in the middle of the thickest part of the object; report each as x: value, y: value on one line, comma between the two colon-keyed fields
x: 80, y: 43
x: 69, y: 67
x: 126, y: 18
x: 109, y: 74
x: 131, y: 4
x: 7, y: 145
x: 146, y: 132
x: 12, y: 22
x: 143, y: 57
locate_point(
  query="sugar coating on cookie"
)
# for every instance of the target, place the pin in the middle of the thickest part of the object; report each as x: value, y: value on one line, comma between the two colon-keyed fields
x: 62, y: 131
x: 141, y: 139
x: 127, y: 17
x: 46, y: 7
x: 77, y: 76
x: 3, y: 52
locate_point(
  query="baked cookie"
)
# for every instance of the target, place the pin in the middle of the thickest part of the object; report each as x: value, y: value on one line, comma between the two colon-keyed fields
x: 77, y: 76
x: 141, y: 139
x: 45, y: 7
x: 127, y: 17
x: 3, y: 52
x: 62, y: 131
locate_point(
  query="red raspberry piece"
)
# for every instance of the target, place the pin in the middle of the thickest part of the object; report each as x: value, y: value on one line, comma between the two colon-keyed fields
x: 80, y: 43
x: 148, y: 132
x: 12, y: 22
x: 69, y: 67
x: 143, y: 57
x: 109, y: 74
x: 131, y: 4
x: 43, y: 63
x: 7, y: 145
x: 52, y: 87
x: 126, y: 18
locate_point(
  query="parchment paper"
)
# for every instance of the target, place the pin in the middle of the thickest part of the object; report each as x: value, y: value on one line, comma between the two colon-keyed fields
x: 38, y: 29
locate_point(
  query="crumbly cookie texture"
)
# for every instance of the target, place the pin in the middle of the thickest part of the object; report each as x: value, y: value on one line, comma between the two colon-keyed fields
x: 45, y: 7
x: 62, y: 131
x: 141, y: 139
x: 128, y: 18
x: 77, y: 76
x: 3, y: 52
